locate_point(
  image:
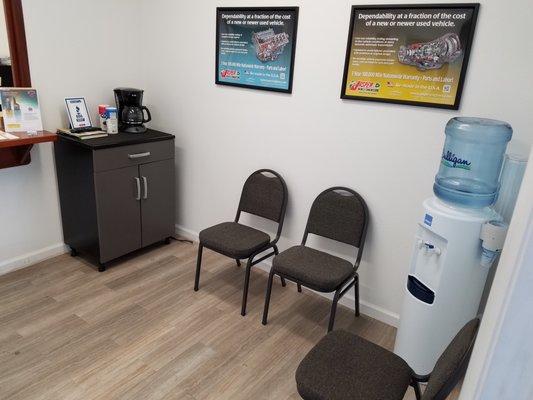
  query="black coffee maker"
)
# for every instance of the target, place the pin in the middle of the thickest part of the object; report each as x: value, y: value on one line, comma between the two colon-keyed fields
x: 130, y: 110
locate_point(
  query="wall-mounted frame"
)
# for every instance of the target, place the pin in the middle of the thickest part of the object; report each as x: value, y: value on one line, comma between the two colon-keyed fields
x: 409, y: 54
x: 16, y: 35
x: 255, y: 47
x: 17, y: 152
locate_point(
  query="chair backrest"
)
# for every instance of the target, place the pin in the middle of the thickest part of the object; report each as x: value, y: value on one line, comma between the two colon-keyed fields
x: 340, y: 214
x: 264, y: 194
x: 452, y: 364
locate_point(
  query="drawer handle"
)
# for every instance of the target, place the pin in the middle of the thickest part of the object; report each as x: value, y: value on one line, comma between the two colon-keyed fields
x: 138, y: 155
x: 138, y: 182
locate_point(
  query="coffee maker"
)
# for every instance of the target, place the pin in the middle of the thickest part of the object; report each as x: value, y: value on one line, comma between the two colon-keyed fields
x: 130, y: 110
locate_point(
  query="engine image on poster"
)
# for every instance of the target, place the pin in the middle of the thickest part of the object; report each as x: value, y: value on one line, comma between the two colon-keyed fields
x: 269, y: 45
x: 409, y: 54
x: 255, y: 47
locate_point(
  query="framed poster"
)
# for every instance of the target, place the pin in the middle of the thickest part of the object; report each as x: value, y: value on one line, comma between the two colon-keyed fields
x: 409, y: 54
x: 255, y: 47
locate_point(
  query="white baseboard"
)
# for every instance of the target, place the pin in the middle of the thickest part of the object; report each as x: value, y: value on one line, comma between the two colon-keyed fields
x: 369, y: 309
x: 33, y: 257
x: 186, y: 233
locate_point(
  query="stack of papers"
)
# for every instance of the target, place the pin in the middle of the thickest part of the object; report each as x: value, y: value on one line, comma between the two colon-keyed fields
x: 84, y: 135
x: 7, y: 136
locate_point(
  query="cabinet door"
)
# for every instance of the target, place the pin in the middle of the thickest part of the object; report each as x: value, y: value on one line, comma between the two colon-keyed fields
x: 157, y: 204
x: 119, y: 211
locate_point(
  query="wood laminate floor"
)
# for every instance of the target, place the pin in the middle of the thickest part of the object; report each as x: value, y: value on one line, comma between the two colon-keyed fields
x: 139, y: 331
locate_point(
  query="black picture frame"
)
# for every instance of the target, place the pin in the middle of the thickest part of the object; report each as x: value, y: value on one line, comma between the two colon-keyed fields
x: 467, y: 48
x: 71, y: 118
x: 294, y: 10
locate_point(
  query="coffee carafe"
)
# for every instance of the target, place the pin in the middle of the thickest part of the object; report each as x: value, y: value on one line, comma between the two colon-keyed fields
x: 130, y: 110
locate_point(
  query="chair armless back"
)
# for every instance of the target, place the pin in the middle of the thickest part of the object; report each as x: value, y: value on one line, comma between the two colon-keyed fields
x: 264, y: 194
x: 451, y: 365
x: 340, y: 214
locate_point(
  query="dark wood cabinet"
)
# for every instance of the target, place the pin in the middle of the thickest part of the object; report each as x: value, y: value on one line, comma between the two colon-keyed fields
x: 157, y: 200
x: 118, y: 212
x: 117, y: 193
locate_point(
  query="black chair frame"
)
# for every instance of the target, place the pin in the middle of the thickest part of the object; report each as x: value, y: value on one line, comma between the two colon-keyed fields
x: 452, y: 381
x: 342, y: 289
x: 447, y: 379
x: 250, y: 262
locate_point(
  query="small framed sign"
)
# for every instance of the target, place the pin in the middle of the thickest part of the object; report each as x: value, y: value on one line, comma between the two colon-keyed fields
x: 255, y: 47
x: 409, y: 54
x: 78, y: 114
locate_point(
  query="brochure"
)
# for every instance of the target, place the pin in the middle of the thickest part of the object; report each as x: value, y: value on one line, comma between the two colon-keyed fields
x: 20, y: 108
x: 7, y: 136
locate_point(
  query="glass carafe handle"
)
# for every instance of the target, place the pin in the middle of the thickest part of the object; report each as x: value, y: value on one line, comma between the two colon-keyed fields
x: 148, y: 115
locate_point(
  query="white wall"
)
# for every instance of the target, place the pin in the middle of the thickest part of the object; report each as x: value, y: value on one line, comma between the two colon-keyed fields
x: 388, y: 153
x: 75, y: 48
x: 502, y: 361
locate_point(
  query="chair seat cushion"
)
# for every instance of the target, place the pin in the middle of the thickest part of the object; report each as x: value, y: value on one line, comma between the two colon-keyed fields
x: 319, y: 270
x: 233, y: 239
x: 343, y: 366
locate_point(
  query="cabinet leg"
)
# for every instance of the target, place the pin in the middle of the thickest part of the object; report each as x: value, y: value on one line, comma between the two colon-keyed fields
x: 73, y: 252
x: 167, y: 240
x: 102, y: 267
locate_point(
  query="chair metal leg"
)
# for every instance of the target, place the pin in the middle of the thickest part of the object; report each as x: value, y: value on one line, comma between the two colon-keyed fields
x: 238, y: 262
x: 299, y: 287
x: 276, y: 252
x: 333, y: 310
x: 246, y: 284
x: 416, y: 387
x: 267, y: 297
x: 198, y: 266
x: 356, y: 289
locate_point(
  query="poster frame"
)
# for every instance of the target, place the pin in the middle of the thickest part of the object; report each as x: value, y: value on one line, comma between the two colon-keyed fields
x: 293, y: 9
x: 475, y: 11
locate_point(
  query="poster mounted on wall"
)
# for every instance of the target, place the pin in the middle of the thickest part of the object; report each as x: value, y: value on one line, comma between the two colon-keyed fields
x: 409, y: 54
x: 255, y: 47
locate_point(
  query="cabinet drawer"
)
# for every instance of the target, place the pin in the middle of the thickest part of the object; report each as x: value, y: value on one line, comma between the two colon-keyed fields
x: 124, y: 156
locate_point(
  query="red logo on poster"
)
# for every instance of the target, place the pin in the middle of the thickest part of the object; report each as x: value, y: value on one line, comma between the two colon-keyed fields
x: 364, y: 86
x: 229, y: 73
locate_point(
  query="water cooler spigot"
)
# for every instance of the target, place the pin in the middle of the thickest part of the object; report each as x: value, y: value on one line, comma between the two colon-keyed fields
x: 428, y: 247
x: 492, y: 236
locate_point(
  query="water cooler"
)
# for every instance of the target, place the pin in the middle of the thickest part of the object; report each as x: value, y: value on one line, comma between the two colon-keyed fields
x: 458, y: 237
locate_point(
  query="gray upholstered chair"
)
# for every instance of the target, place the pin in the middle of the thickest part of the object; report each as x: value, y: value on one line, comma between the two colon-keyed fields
x: 337, y: 213
x: 264, y: 194
x: 343, y: 366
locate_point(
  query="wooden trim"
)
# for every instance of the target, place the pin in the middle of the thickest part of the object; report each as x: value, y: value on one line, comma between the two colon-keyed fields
x: 24, y: 139
x: 17, y: 152
x: 17, y: 43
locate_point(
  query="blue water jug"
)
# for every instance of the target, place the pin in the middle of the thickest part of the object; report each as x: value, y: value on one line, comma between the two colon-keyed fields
x: 471, y: 161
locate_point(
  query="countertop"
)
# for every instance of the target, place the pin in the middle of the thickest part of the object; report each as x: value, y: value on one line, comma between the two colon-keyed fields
x: 119, y: 139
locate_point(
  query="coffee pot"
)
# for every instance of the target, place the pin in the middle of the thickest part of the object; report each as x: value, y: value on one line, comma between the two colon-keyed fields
x: 131, y: 116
